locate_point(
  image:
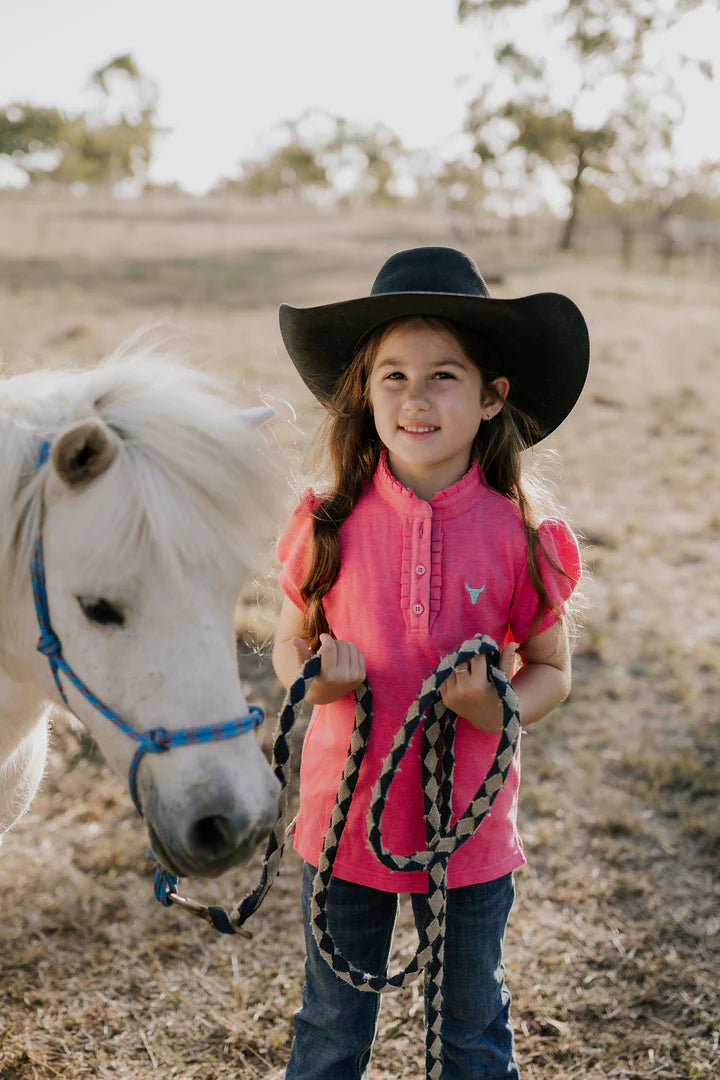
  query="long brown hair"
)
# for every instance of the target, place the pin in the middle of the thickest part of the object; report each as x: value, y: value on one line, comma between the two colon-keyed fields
x: 353, y: 448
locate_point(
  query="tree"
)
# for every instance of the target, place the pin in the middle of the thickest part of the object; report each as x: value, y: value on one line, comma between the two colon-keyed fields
x: 319, y: 154
x: 291, y: 164
x: 613, y: 128
x: 461, y: 183
x: 113, y: 144
x: 368, y: 155
x: 119, y: 139
x: 292, y: 168
x: 28, y: 129
x: 29, y: 133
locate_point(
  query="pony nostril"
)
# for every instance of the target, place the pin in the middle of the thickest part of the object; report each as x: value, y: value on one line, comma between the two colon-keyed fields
x: 223, y: 836
x: 212, y: 837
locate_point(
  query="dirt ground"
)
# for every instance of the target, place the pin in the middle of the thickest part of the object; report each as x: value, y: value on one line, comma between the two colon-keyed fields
x: 612, y: 949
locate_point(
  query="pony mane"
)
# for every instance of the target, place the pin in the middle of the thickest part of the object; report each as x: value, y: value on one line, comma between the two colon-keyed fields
x: 193, y: 480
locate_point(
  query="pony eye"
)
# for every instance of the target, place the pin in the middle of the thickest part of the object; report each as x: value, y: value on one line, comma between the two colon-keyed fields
x: 99, y: 610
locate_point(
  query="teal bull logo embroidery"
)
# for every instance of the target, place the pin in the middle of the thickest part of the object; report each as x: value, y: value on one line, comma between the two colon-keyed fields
x: 474, y: 593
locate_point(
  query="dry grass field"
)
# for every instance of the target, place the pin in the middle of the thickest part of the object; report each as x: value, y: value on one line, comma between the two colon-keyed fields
x: 613, y: 951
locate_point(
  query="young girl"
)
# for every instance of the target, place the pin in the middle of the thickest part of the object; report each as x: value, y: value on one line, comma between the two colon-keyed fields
x: 425, y: 538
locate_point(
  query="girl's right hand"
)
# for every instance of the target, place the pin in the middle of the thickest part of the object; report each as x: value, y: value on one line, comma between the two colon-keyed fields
x: 342, y: 668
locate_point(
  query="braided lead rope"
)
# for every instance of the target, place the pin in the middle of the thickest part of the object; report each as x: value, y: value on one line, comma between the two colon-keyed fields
x: 441, y: 840
x: 437, y: 795
x: 445, y: 843
x: 230, y: 922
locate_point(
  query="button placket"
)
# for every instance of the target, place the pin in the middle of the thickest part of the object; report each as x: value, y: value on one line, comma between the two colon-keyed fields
x: 420, y: 580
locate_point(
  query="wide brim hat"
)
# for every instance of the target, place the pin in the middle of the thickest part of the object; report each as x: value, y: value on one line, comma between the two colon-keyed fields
x: 541, y: 341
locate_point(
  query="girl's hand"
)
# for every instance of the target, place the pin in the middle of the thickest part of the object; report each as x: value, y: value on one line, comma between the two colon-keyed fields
x: 469, y: 692
x: 342, y: 668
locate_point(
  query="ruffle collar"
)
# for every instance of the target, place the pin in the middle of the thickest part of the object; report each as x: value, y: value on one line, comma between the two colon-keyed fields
x: 450, y: 501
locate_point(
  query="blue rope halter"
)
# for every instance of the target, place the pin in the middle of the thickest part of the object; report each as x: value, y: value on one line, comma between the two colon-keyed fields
x: 156, y: 740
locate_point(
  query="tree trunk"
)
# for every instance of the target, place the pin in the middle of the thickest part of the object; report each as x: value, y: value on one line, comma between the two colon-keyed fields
x: 627, y: 245
x: 566, y: 239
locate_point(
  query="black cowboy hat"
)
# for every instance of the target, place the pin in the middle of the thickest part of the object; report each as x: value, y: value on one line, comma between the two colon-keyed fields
x: 541, y: 340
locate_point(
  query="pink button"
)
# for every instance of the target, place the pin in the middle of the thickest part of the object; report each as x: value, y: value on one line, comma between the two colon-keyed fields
x: 418, y: 609
x: 420, y: 569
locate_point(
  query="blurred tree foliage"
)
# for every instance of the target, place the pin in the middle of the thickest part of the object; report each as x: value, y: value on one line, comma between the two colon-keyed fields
x: 518, y: 124
x: 113, y: 145
x: 320, y: 153
x: 458, y: 183
x: 28, y: 129
x: 370, y: 153
x: 294, y: 165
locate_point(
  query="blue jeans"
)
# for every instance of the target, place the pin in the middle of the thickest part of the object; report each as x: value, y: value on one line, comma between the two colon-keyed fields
x: 335, y: 1026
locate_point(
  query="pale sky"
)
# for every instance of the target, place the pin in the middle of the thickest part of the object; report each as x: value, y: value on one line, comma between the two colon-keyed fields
x: 228, y: 70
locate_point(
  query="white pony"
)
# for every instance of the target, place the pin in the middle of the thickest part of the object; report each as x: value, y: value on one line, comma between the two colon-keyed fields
x: 151, y: 501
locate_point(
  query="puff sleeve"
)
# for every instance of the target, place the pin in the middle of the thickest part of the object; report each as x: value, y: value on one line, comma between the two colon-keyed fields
x: 560, y: 567
x: 294, y: 548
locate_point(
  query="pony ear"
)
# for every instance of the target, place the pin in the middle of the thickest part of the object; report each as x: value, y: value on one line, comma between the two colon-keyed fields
x: 254, y: 417
x: 83, y: 452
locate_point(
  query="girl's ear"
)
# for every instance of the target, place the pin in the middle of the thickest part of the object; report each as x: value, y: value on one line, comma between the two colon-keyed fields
x: 494, y: 395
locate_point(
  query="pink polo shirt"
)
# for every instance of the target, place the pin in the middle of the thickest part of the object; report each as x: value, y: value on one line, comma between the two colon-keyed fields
x: 417, y: 578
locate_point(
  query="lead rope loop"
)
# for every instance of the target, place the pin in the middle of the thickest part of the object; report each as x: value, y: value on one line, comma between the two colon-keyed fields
x: 442, y: 839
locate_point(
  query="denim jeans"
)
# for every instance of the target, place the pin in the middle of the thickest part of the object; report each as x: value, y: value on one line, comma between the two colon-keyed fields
x: 335, y: 1026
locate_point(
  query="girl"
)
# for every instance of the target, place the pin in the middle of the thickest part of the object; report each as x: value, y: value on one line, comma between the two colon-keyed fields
x: 426, y: 537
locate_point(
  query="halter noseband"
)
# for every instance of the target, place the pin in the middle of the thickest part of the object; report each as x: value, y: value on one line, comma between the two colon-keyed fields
x: 156, y: 740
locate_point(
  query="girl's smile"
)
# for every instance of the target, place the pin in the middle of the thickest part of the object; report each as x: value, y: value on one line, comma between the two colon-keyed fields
x: 426, y: 396
x: 418, y: 430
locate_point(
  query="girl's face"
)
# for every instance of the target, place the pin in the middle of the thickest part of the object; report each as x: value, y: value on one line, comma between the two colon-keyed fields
x: 428, y: 400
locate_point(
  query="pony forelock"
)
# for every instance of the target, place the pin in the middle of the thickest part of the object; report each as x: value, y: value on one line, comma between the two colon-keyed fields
x: 191, y: 479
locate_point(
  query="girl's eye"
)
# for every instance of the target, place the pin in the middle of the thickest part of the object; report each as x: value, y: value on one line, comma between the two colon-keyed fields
x: 444, y: 375
x: 395, y: 375
x: 99, y: 610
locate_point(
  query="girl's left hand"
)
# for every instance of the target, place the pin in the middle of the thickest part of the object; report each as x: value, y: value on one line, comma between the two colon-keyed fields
x: 469, y: 692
